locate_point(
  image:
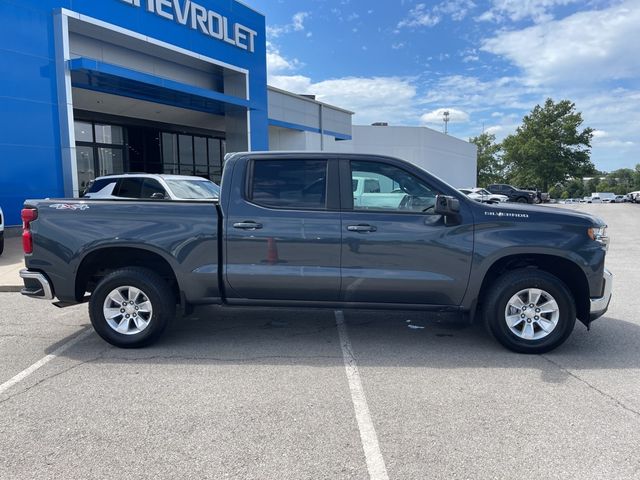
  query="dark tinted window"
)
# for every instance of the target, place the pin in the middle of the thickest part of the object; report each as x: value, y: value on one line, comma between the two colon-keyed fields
x: 151, y: 186
x: 290, y: 183
x: 129, y: 188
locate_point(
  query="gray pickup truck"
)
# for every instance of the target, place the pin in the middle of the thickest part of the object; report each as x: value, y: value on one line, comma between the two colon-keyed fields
x: 288, y: 232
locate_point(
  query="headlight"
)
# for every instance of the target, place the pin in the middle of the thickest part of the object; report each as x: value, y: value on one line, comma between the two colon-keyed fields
x: 599, y: 234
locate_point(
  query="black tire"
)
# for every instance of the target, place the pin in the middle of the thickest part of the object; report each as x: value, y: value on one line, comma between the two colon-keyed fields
x: 522, y: 200
x: 153, y: 287
x: 506, y: 287
x: 1, y: 243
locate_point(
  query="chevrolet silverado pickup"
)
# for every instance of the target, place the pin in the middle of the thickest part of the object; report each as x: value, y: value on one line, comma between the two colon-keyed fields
x: 288, y: 231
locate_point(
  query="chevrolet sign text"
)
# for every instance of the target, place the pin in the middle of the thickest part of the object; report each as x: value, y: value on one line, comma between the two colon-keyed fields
x: 197, y: 17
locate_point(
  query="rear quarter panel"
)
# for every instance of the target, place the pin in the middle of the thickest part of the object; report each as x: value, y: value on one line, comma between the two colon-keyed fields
x: 185, y: 234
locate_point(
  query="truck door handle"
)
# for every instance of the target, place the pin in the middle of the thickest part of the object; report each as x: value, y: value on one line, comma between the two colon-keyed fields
x: 361, y: 228
x: 248, y: 225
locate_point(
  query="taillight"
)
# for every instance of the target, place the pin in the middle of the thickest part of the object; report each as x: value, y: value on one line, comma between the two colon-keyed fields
x: 28, y: 215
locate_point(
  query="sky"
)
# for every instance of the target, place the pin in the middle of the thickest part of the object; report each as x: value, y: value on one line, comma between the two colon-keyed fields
x: 487, y: 62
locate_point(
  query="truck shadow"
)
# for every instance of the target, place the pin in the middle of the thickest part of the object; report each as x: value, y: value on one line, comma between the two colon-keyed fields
x: 379, y: 339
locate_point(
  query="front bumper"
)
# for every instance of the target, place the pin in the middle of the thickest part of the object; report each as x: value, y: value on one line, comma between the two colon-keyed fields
x: 36, y: 285
x: 599, y: 305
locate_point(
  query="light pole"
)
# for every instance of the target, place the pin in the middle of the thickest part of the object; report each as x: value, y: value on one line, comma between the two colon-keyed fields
x: 445, y: 118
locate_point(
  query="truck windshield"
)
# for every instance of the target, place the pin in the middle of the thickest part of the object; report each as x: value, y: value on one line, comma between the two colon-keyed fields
x: 193, y: 189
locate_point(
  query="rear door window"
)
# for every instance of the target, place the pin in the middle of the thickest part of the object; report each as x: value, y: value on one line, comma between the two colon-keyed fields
x: 129, y: 188
x: 291, y: 184
x: 151, y: 187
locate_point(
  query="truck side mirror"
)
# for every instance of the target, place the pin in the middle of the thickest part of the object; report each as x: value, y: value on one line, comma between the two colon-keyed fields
x: 446, y: 205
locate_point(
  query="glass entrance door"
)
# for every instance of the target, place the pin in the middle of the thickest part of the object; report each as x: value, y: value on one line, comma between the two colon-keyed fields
x: 99, y: 151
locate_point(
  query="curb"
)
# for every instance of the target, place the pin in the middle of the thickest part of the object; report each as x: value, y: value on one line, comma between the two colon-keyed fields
x: 10, y: 288
x: 12, y: 232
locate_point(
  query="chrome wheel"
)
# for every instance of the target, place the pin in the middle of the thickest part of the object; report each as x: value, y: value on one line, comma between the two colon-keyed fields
x: 127, y: 310
x: 532, y: 314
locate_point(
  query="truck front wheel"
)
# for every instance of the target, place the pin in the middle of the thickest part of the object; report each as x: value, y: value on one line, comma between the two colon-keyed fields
x: 131, y: 307
x: 530, y: 311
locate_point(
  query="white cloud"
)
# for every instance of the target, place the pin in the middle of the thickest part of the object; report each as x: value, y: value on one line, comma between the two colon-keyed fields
x: 458, y: 9
x: 494, y: 129
x: 291, y: 83
x: 422, y: 16
x: 537, y: 10
x: 298, y: 21
x: 373, y: 99
x: 296, y: 25
x: 474, y: 94
x: 437, y: 116
x: 600, y: 134
x: 584, y: 48
x: 276, y: 62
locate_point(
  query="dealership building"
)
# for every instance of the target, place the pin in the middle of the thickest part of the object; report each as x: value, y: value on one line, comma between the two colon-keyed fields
x: 93, y: 88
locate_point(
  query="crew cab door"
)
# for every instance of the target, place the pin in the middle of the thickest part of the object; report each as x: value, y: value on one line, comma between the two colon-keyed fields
x: 282, y: 231
x: 402, y: 253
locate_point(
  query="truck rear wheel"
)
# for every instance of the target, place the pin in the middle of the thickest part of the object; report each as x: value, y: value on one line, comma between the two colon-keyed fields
x: 530, y: 311
x: 131, y: 307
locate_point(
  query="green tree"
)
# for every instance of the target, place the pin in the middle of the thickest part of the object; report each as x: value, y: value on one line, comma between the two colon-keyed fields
x: 556, y: 191
x: 623, y: 180
x: 575, y: 188
x: 490, y: 168
x: 593, y: 186
x: 549, y: 146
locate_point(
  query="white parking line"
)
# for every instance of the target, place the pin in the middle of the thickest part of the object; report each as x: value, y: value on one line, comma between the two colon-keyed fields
x: 375, y: 462
x: 43, y: 361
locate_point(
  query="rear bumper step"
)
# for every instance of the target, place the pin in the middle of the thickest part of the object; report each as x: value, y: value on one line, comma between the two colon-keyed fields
x: 36, y: 285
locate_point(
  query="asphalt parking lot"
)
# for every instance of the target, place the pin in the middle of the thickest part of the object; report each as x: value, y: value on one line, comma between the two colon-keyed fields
x: 280, y: 394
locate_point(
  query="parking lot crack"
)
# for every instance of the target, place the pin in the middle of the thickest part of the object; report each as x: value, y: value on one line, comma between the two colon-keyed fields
x: 592, y: 387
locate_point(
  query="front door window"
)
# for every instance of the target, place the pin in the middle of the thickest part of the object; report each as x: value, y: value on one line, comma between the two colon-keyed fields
x: 384, y: 187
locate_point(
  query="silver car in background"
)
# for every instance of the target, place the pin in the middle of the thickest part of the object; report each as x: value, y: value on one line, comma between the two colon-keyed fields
x: 483, y: 195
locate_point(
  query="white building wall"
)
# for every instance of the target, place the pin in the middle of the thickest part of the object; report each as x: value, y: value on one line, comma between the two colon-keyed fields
x: 452, y: 159
x: 289, y: 140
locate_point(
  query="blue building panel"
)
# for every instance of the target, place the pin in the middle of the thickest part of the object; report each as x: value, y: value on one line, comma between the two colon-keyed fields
x: 30, y: 145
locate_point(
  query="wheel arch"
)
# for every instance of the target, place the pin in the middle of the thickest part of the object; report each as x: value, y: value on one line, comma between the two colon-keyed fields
x: 566, y: 270
x: 99, y: 262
